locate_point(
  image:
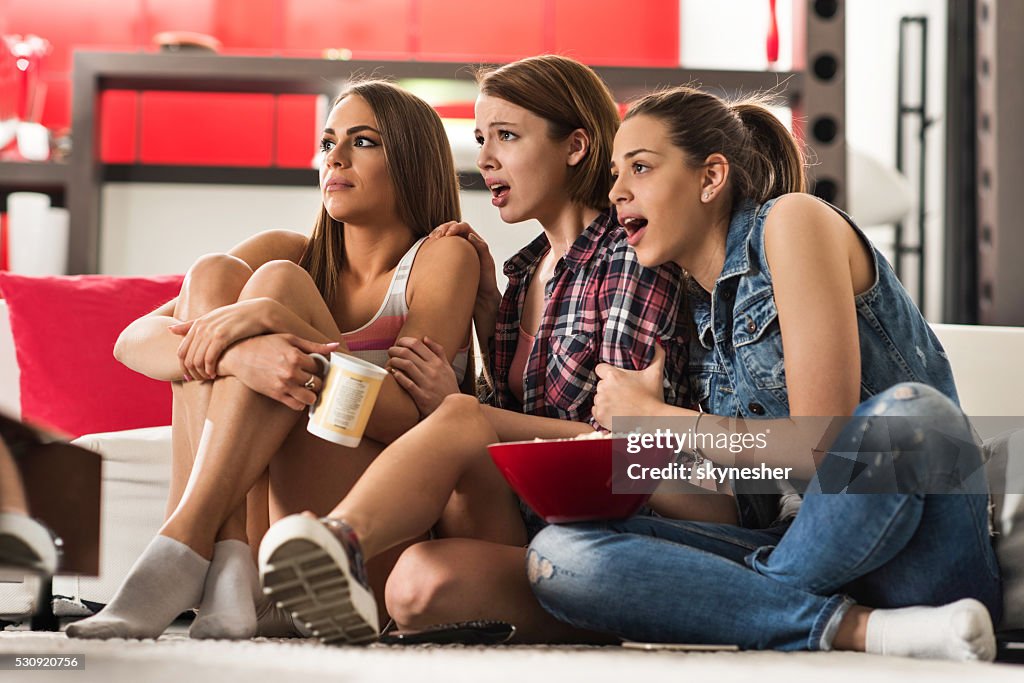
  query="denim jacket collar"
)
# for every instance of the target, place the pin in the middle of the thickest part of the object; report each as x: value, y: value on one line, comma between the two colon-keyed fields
x: 737, y: 262
x: 737, y: 244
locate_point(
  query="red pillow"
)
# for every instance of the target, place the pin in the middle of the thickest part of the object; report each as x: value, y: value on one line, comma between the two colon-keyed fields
x: 64, y: 330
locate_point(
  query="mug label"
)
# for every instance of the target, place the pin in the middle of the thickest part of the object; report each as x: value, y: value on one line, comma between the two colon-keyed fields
x: 349, y: 393
x: 343, y: 407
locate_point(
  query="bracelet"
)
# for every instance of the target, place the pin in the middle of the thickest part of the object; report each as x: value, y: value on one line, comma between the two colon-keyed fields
x: 698, y: 454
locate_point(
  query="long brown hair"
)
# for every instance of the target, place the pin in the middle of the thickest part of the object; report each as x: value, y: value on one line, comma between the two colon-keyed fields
x: 765, y: 160
x: 568, y: 95
x: 419, y: 160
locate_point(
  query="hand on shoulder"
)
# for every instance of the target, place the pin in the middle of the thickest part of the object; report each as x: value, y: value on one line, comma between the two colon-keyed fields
x: 451, y: 256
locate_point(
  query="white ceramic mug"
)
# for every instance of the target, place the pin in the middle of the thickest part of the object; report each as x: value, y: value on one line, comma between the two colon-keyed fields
x: 346, y: 400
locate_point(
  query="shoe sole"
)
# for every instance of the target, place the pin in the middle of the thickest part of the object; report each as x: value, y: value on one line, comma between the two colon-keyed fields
x: 301, y: 571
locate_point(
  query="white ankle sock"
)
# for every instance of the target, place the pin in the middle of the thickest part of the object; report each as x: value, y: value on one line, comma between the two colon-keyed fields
x: 959, y: 631
x: 228, y: 609
x: 166, y: 580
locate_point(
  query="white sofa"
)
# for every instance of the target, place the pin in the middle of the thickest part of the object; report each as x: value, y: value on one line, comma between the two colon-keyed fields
x: 986, y: 364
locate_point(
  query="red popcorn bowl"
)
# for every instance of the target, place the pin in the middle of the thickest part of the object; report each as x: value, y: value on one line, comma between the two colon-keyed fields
x: 566, y: 480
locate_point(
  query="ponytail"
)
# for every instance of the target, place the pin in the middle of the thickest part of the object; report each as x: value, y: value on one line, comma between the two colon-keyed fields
x: 765, y: 160
x: 774, y: 162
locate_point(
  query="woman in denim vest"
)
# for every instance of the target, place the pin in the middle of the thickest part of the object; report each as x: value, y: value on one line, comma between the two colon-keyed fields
x: 795, y: 314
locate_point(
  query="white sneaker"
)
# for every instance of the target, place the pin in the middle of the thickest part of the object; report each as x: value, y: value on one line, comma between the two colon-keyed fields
x: 314, y: 569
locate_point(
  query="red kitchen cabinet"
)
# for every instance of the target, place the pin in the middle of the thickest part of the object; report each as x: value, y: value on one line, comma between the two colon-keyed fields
x: 207, y: 128
x: 370, y: 29
x: 118, y: 126
x: 298, y: 130
x: 618, y: 32
x: 480, y: 31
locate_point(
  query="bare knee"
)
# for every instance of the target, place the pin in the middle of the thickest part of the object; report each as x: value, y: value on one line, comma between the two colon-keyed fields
x: 214, y: 280
x: 274, y: 278
x: 462, y: 410
x: 420, y: 587
x: 465, y: 418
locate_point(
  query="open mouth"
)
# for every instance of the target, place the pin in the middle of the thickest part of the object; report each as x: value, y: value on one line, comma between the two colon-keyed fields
x: 634, y: 227
x: 499, y: 193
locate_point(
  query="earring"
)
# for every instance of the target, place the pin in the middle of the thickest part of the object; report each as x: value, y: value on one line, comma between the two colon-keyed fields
x: 706, y: 196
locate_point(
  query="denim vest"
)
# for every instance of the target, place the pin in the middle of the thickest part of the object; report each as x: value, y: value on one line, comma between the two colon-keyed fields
x: 736, y: 363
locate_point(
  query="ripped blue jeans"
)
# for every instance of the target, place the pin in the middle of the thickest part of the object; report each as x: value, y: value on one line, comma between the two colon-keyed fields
x: 789, y: 586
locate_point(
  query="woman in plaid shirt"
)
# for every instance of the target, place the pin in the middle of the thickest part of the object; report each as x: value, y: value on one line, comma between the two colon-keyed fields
x: 576, y: 297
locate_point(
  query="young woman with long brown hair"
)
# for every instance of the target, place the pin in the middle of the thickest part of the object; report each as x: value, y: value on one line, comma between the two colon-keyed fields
x: 236, y: 342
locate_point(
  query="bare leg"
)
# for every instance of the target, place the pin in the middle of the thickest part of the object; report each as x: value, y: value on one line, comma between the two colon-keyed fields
x: 311, y: 473
x: 257, y: 512
x: 460, y: 579
x: 512, y: 426
x: 399, y: 498
x: 437, y: 473
x: 243, y: 430
x: 213, y: 281
x: 241, y: 433
x: 407, y: 488
x: 853, y: 629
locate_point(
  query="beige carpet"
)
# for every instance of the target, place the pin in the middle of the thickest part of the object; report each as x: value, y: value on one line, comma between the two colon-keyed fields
x: 175, y: 658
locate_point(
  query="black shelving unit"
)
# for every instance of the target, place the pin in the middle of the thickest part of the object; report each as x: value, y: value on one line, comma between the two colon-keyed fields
x: 914, y: 107
x: 27, y: 176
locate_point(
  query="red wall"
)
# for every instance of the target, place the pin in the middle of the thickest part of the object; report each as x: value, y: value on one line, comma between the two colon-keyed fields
x: 194, y: 128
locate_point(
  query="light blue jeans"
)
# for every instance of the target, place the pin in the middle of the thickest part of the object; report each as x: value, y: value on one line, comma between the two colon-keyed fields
x: 788, y: 587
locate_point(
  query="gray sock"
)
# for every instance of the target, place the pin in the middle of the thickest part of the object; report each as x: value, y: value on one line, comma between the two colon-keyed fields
x: 166, y: 580
x: 228, y: 608
x: 960, y: 631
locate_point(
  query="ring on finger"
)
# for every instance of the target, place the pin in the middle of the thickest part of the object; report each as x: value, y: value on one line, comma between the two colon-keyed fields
x: 309, y: 382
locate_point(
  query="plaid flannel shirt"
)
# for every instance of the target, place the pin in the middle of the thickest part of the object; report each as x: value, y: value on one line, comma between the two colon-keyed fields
x: 601, y: 306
